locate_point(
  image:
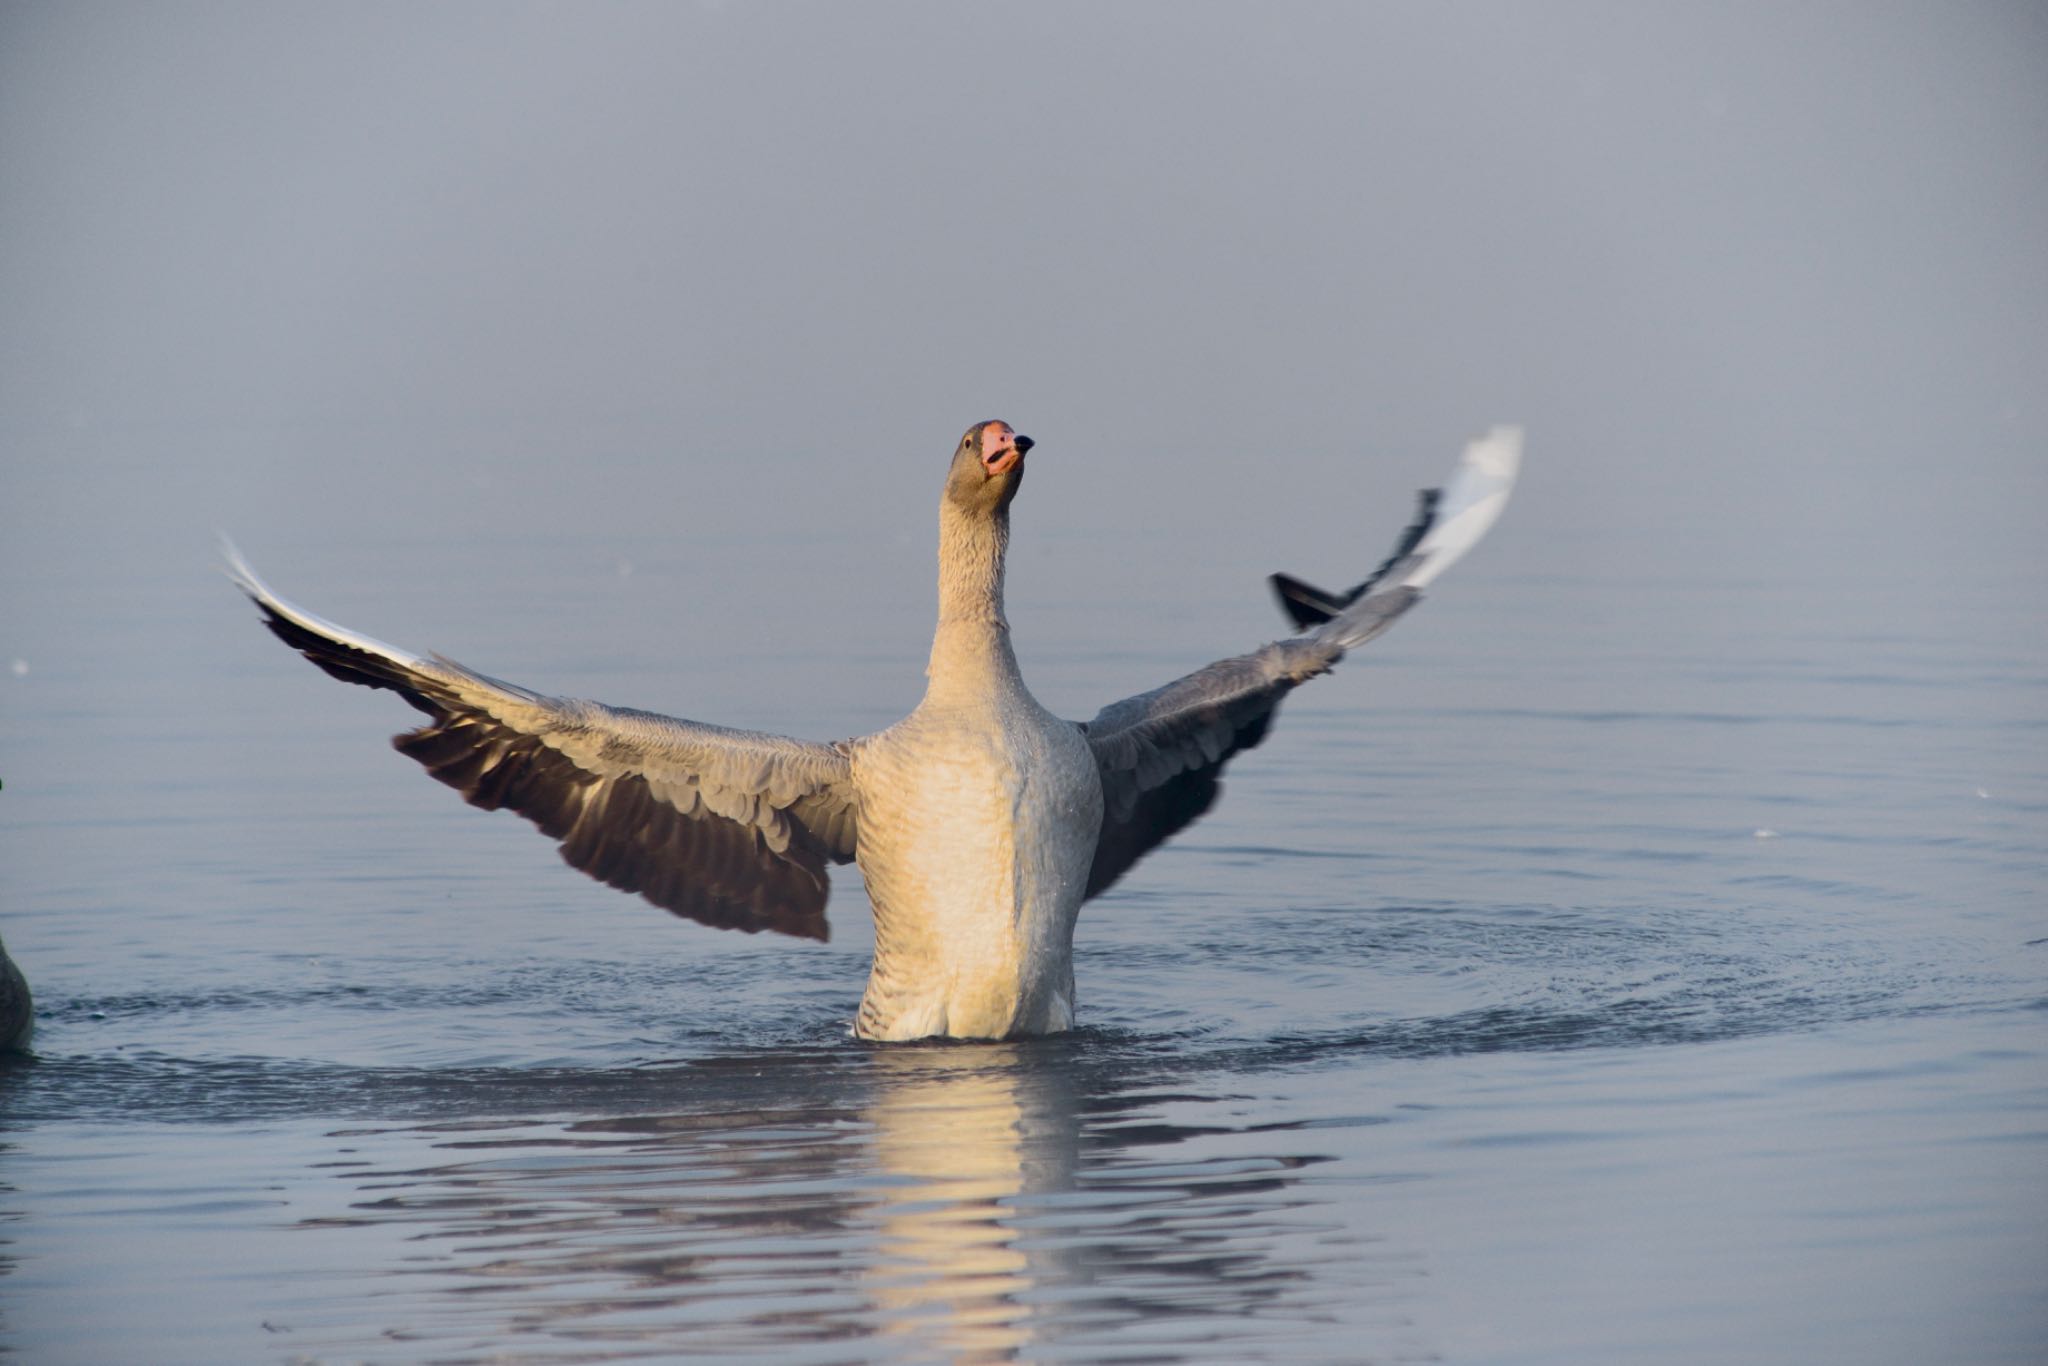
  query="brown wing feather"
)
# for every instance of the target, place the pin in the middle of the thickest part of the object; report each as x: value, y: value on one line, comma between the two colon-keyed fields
x: 729, y: 828
x: 626, y: 833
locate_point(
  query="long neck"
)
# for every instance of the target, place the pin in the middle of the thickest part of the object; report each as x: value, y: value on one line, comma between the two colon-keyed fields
x: 972, y: 644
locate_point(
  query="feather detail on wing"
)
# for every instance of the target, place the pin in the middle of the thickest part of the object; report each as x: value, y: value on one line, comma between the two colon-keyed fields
x: 1161, y: 754
x: 1309, y: 605
x: 730, y: 828
x: 1448, y: 522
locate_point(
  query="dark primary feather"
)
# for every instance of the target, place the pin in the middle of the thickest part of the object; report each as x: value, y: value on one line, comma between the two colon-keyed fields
x: 730, y: 828
x: 1306, y: 605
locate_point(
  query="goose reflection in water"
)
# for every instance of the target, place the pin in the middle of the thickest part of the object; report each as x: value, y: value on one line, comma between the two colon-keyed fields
x: 943, y: 1201
x: 958, y: 1266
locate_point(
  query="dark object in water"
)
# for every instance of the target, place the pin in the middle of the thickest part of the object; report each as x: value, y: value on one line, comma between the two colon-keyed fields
x: 17, y: 1009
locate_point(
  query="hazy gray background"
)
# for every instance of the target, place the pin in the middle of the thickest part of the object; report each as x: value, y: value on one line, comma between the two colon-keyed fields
x: 1766, y: 282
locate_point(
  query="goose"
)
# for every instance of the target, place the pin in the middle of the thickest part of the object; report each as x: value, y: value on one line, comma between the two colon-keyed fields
x: 980, y: 822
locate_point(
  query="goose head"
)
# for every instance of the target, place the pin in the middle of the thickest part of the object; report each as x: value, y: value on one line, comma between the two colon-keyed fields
x: 987, y: 468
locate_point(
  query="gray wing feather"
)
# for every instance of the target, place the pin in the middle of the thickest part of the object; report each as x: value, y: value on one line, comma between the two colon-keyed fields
x: 731, y: 828
x: 1161, y: 754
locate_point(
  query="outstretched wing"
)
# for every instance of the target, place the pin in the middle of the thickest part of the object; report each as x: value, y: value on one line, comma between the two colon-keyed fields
x: 731, y: 828
x: 1162, y: 753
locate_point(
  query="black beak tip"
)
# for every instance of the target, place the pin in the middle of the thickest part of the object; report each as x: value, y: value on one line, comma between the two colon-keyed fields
x: 1024, y: 445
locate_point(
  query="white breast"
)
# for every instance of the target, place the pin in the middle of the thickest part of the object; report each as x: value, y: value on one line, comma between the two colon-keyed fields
x: 978, y: 827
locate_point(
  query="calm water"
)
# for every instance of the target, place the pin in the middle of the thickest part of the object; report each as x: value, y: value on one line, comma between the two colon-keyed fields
x: 1601, y: 971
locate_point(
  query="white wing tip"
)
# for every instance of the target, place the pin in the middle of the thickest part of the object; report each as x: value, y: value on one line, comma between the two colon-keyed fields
x: 238, y: 569
x: 1470, y: 504
x: 1498, y: 454
x: 244, y: 577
